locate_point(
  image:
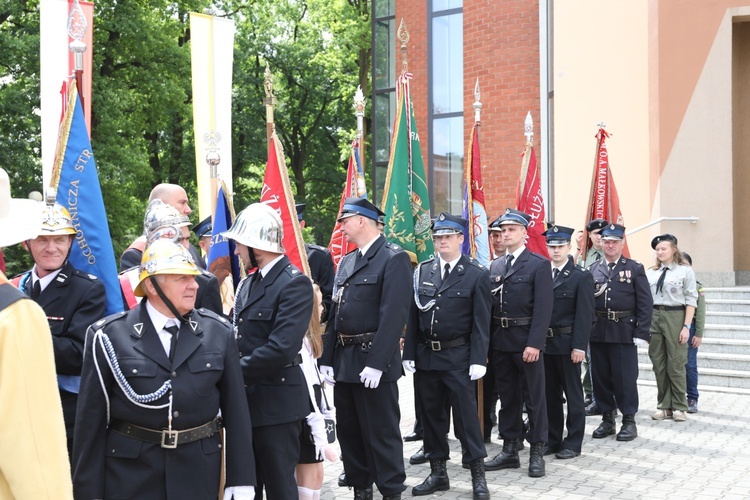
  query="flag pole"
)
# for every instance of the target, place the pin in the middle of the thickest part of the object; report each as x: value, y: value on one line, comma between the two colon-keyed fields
x: 270, y: 102
x: 77, y: 27
x: 359, y: 107
x: 213, y: 159
x: 478, y: 123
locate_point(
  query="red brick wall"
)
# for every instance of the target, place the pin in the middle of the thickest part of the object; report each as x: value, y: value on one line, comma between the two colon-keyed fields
x: 501, y: 48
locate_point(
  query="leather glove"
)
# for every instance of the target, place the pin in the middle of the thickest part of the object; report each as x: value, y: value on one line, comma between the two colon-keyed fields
x: 370, y: 377
x: 327, y: 372
x: 408, y: 365
x: 639, y: 342
x: 318, y: 427
x: 477, y: 371
x: 239, y: 493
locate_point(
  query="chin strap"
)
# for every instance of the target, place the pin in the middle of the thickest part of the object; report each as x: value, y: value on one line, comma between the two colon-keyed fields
x: 183, y: 319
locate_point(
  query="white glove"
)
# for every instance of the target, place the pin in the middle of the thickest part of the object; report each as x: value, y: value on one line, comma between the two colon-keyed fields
x: 477, y: 371
x: 329, y: 413
x: 318, y: 426
x: 639, y: 342
x: 327, y: 372
x: 239, y: 493
x: 370, y: 377
x: 408, y: 365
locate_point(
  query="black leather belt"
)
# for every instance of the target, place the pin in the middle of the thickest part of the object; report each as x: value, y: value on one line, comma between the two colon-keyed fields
x: 669, y: 308
x: 361, y: 338
x: 297, y: 361
x: 508, y: 322
x: 439, y: 345
x: 563, y: 330
x: 615, y: 315
x: 165, y: 438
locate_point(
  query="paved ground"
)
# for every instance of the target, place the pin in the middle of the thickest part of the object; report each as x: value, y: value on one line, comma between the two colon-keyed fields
x: 708, y: 456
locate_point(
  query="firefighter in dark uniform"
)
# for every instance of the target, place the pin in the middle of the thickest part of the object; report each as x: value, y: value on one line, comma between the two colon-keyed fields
x: 272, y: 310
x: 446, y: 342
x: 361, y: 352
x: 321, y: 265
x: 154, y: 382
x: 71, y: 299
x: 159, y: 215
x: 521, y: 284
x: 623, y: 319
x: 567, y: 338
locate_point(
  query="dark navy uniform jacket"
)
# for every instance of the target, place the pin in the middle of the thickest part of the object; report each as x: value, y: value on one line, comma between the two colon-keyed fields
x: 272, y: 318
x: 461, y: 310
x: 573, y: 306
x: 205, y: 377
x: 526, y: 292
x: 625, y: 288
x: 375, y: 293
x: 72, y: 301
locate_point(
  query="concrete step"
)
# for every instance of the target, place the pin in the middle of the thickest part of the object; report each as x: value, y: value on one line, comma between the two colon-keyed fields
x: 724, y: 346
x: 728, y: 318
x: 703, y: 387
x: 729, y: 293
x: 709, y: 360
x: 733, y: 379
x: 733, y: 332
x: 727, y: 305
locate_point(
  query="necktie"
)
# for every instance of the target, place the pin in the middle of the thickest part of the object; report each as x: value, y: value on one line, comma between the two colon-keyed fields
x: 446, y: 272
x: 508, y: 262
x: 173, y: 329
x: 611, y: 267
x: 36, y: 289
x: 660, y: 283
x: 256, y: 280
x: 597, y: 256
x: 555, y: 272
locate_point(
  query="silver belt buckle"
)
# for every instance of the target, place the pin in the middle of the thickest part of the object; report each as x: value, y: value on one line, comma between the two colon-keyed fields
x: 435, y: 345
x: 169, y: 439
x: 612, y: 315
x: 550, y: 333
x: 504, y: 322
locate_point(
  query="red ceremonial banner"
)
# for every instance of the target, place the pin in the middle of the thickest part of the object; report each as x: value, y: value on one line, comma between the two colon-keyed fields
x: 603, y: 200
x: 355, y: 187
x: 277, y: 193
x: 529, y: 199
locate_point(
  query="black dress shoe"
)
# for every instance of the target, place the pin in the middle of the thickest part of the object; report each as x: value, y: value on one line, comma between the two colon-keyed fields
x: 342, y: 480
x: 566, y: 453
x: 587, y: 400
x: 418, y: 457
x: 412, y: 437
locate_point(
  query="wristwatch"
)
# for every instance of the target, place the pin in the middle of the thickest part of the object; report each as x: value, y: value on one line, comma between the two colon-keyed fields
x: 687, y: 326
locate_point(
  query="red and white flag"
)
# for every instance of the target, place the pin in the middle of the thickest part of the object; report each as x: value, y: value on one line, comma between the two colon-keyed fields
x: 529, y: 200
x: 603, y: 200
x: 277, y: 193
x: 355, y: 186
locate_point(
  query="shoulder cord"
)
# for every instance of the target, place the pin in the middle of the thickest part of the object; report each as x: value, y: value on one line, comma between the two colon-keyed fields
x: 420, y: 306
x: 127, y: 389
x: 236, y: 301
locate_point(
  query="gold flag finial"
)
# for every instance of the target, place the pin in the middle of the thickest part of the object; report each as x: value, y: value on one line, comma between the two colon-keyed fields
x: 403, y: 36
x: 528, y: 127
x: 268, y: 82
x: 269, y: 101
x: 477, y: 104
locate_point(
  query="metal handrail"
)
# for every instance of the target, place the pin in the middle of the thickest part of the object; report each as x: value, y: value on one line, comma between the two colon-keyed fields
x: 692, y: 220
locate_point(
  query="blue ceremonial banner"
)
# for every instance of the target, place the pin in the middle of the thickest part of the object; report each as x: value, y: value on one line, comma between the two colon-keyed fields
x: 77, y: 182
x: 221, y: 258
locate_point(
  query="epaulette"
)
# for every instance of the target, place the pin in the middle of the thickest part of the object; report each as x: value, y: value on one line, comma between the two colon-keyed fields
x: 393, y: 246
x: 476, y: 263
x: 109, y: 319
x: 292, y: 271
x: 84, y: 275
x: 206, y: 313
x: 207, y: 273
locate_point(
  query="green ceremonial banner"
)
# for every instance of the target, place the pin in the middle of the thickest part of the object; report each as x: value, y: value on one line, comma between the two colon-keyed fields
x: 405, y: 199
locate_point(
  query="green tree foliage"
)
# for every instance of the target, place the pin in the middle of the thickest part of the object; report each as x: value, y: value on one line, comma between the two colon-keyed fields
x: 317, y: 50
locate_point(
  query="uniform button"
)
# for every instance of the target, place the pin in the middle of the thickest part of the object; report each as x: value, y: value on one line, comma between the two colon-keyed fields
x: 175, y: 414
x: 260, y: 314
x: 239, y: 337
x: 440, y: 295
x: 365, y: 280
x: 208, y: 365
x: 135, y: 371
x: 240, y: 321
x: 113, y: 451
x: 437, y: 308
x: 436, y: 322
x: 283, y: 379
x: 174, y: 374
x: 343, y: 301
x: 458, y: 293
x: 240, y: 354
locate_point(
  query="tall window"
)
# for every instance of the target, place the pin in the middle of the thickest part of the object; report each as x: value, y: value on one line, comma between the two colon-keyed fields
x: 446, y: 116
x: 383, y: 89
